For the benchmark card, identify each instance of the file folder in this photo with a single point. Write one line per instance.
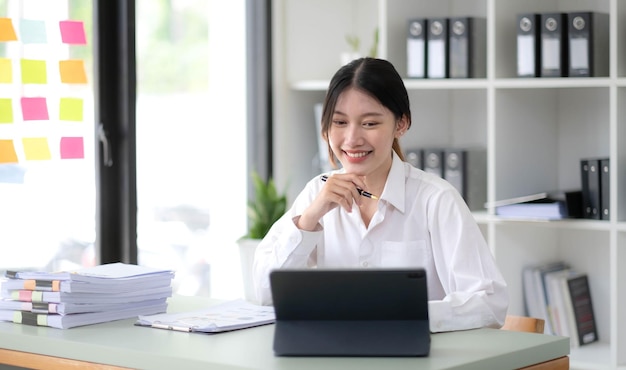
(416, 48)
(467, 40)
(590, 179)
(528, 45)
(605, 193)
(414, 157)
(588, 37)
(433, 161)
(466, 170)
(554, 54)
(437, 48)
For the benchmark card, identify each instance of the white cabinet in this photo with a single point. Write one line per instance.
(535, 131)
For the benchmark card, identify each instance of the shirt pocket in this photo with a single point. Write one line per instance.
(405, 254)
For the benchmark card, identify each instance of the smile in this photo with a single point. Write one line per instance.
(357, 155)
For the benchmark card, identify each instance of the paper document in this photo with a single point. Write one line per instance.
(104, 274)
(232, 315)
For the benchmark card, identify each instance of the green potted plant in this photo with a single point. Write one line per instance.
(266, 206)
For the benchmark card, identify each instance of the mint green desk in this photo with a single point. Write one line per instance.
(120, 344)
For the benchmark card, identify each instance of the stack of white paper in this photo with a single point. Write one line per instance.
(85, 296)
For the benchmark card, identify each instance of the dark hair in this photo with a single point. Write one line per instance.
(375, 77)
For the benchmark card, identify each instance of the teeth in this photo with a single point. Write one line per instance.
(357, 155)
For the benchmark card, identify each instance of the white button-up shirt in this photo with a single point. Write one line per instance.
(421, 221)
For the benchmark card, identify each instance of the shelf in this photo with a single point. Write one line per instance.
(551, 83)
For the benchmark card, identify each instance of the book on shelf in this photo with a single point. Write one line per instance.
(554, 205)
(561, 296)
(535, 294)
(84, 296)
(580, 308)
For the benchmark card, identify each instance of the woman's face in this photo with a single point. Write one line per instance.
(361, 133)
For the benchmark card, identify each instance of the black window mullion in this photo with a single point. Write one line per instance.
(115, 97)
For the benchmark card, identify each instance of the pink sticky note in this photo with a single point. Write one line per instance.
(34, 109)
(72, 148)
(72, 32)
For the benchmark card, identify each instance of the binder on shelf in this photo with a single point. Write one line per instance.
(433, 161)
(588, 38)
(554, 54)
(437, 48)
(415, 158)
(590, 180)
(466, 170)
(416, 48)
(605, 189)
(467, 41)
(528, 45)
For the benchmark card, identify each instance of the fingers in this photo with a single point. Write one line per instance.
(342, 190)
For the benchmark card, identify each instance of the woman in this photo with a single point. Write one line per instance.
(413, 219)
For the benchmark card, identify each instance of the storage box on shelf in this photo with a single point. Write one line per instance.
(535, 131)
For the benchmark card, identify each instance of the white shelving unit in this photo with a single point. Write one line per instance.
(535, 131)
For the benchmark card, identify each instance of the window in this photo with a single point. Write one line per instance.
(191, 141)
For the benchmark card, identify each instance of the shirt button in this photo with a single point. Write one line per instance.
(364, 264)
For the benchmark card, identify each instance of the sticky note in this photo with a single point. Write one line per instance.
(33, 71)
(34, 109)
(6, 111)
(72, 32)
(72, 148)
(33, 31)
(36, 148)
(72, 71)
(6, 71)
(7, 32)
(7, 152)
(71, 109)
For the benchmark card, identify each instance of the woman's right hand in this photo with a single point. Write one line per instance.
(340, 190)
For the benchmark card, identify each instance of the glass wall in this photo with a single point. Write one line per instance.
(47, 179)
(191, 141)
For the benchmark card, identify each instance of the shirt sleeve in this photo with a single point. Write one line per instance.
(475, 292)
(285, 246)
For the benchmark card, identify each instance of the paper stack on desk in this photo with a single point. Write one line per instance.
(85, 296)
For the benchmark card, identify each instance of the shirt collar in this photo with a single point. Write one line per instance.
(394, 192)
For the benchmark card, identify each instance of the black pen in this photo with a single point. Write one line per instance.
(361, 191)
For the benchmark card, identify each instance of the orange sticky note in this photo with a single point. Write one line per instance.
(72, 71)
(72, 148)
(33, 71)
(6, 71)
(72, 32)
(7, 32)
(34, 109)
(71, 109)
(7, 152)
(36, 148)
(6, 111)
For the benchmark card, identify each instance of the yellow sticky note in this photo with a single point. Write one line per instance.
(36, 148)
(33, 71)
(6, 71)
(7, 32)
(6, 111)
(7, 152)
(71, 109)
(72, 71)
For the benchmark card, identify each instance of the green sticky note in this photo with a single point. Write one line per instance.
(33, 71)
(71, 109)
(6, 111)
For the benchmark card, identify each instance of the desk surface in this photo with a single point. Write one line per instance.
(120, 343)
